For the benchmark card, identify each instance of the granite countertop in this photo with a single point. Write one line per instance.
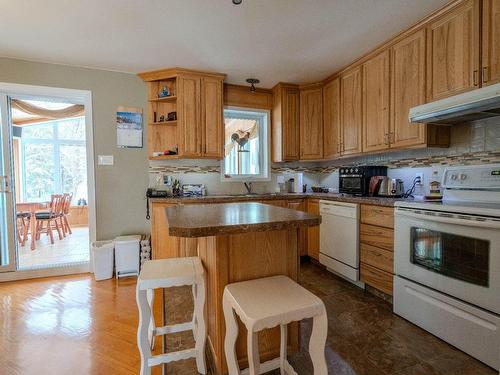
(203, 220)
(379, 201)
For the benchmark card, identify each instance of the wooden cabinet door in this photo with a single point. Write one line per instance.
(212, 123)
(311, 123)
(453, 52)
(313, 232)
(407, 89)
(376, 98)
(491, 42)
(290, 123)
(189, 116)
(331, 119)
(351, 112)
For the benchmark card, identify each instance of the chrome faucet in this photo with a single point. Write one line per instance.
(248, 186)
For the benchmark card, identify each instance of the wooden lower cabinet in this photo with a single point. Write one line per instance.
(376, 236)
(376, 278)
(313, 232)
(164, 245)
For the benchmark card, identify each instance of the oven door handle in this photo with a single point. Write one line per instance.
(486, 223)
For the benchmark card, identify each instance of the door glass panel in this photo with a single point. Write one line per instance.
(73, 161)
(39, 169)
(459, 257)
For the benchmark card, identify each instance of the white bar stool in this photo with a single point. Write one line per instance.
(167, 273)
(266, 303)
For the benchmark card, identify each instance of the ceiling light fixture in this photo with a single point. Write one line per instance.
(253, 82)
(237, 2)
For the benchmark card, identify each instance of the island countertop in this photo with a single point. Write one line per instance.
(204, 220)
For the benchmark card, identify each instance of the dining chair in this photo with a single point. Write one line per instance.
(22, 226)
(68, 197)
(50, 218)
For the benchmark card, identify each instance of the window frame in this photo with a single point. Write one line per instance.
(56, 142)
(264, 145)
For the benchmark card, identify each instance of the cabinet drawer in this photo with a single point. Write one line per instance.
(377, 215)
(376, 278)
(377, 236)
(378, 258)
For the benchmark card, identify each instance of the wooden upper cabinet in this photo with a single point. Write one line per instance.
(376, 100)
(212, 122)
(285, 124)
(188, 114)
(453, 51)
(407, 89)
(351, 113)
(311, 123)
(331, 119)
(491, 42)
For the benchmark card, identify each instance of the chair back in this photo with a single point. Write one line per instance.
(56, 204)
(68, 197)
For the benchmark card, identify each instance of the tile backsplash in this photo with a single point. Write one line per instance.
(474, 143)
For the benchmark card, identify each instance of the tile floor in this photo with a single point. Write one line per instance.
(73, 248)
(364, 336)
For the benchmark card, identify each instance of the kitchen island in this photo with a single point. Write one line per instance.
(237, 242)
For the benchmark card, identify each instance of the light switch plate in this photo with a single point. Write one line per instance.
(105, 160)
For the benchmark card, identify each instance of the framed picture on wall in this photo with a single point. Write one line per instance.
(129, 127)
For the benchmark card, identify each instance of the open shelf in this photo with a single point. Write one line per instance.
(165, 99)
(165, 123)
(164, 157)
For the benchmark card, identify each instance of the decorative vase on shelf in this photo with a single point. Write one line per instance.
(164, 92)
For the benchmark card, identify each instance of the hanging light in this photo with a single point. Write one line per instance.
(237, 2)
(253, 82)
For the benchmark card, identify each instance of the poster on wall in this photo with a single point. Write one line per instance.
(129, 128)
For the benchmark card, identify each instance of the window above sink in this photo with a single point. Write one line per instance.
(246, 145)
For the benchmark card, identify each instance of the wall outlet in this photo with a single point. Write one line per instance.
(420, 175)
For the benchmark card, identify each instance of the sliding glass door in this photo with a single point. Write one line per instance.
(7, 227)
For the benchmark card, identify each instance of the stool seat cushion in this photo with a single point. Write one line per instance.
(165, 273)
(267, 302)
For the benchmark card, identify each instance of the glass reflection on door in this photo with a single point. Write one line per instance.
(452, 255)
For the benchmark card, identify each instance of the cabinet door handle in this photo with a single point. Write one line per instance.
(475, 77)
(485, 74)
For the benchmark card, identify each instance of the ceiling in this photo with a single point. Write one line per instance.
(297, 41)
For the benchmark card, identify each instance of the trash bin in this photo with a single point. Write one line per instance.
(127, 255)
(102, 259)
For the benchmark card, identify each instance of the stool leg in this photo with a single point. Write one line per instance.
(317, 344)
(201, 328)
(152, 326)
(194, 291)
(231, 336)
(142, 331)
(253, 352)
(283, 345)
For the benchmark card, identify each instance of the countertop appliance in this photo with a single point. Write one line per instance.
(339, 238)
(384, 186)
(447, 262)
(472, 105)
(356, 180)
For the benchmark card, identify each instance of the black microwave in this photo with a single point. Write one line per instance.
(356, 180)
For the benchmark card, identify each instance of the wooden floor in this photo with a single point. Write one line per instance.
(68, 325)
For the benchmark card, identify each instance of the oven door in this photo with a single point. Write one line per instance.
(351, 184)
(455, 254)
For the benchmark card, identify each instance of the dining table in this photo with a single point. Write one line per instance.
(32, 207)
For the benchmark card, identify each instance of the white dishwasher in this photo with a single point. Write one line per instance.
(339, 238)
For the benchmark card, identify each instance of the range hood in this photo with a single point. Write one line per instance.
(473, 105)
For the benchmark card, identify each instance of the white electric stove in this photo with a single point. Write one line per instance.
(447, 262)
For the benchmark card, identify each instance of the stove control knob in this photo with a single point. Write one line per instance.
(454, 176)
(463, 176)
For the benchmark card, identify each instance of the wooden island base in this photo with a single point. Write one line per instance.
(245, 256)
